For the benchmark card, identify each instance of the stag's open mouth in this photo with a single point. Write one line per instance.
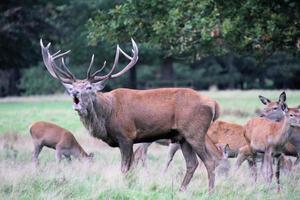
(75, 100)
(295, 124)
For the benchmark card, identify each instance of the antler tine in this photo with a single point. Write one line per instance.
(98, 71)
(132, 59)
(100, 78)
(60, 71)
(60, 55)
(67, 69)
(49, 61)
(88, 75)
(125, 54)
(56, 53)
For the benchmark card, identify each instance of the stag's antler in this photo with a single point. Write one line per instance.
(94, 78)
(64, 74)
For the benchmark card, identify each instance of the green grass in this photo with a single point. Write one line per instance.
(102, 179)
(17, 114)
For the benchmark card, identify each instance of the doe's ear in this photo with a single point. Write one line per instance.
(226, 148)
(264, 100)
(284, 107)
(282, 97)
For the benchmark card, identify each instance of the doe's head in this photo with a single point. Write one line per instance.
(274, 110)
(293, 115)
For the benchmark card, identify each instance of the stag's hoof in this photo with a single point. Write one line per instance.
(182, 189)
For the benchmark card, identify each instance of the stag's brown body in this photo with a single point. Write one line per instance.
(153, 114)
(55, 137)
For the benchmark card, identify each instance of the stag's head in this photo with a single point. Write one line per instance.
(274, 110)
(83, 91)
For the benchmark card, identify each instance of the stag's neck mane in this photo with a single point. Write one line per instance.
(99, 107)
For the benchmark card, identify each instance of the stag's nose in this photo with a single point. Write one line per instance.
(75, 93)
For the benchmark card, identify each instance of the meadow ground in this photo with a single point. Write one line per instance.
(102, 179)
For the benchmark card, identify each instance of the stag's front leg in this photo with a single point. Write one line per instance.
(126, 149)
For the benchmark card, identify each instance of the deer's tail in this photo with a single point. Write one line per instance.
(217, 112)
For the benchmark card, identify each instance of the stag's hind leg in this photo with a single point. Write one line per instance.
(208, 160)
(191, 163)
(207, 153)
(140, 154)
(173, 148)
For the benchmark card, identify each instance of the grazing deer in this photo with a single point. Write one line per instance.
(269, 137)
(123, 117)
(55, 137)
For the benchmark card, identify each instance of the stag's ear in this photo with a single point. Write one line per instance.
(282, 97)
(69, 87)
(264, 100)
(100, 85)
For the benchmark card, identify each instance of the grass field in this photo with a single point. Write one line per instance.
(102, 179)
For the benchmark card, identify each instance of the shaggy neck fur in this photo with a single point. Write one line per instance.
(98, 110)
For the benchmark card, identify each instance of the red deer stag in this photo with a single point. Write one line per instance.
(123, 117)
(55, 137)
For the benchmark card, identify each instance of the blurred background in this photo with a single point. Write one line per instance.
(204, 44)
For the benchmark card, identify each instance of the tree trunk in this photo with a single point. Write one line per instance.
(132, 78)
(9, 79)
(166, 69)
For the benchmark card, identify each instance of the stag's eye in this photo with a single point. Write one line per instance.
(88, 87)
(291, 115)
(274, 108)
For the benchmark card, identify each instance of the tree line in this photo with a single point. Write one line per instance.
(228, 44)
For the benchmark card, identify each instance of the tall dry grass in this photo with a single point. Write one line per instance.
(102, 179)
